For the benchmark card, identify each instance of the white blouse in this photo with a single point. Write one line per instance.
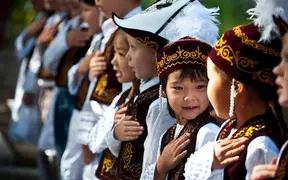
(206, 134)
(261, 150)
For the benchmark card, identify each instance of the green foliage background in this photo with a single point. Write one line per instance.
(232, 12)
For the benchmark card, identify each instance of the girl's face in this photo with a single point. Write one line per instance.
(90, 14)
(142, 59)
(218, 90)
(124, 72)
(187, 98)
(282, 74)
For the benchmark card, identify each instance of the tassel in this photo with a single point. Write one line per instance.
(232, 101)
(160, 98)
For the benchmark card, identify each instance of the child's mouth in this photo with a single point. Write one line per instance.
(190, 107)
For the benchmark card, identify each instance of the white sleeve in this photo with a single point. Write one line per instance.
(97, 143)
(206, 134)
(114, 145)
(21, 50)
(261, 150)
(73, 85)
(149, 171)
(53, 54)
(198, 165)
(157, 123)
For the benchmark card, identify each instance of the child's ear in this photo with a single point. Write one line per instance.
(239, 87)
(164, 94)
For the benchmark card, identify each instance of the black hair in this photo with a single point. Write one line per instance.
(194, 75)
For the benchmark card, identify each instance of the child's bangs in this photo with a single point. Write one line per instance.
(199, 74)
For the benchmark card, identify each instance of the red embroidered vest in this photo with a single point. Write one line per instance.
(129, 163)
(261, 125)
(191, 127)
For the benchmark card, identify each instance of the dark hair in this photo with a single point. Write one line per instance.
(194, 75)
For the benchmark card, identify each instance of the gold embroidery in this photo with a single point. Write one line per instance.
(108, 163)
(254, 44)
(135, 169)
(147, 42)
(249, 131)
(281, 170)
(166, 60)
(244, 64)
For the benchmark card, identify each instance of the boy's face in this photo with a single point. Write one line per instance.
(90, 14)
(187, 98)
(124, 72)
(108, 6)
(142, 59)
(218, 90)
(282, 74)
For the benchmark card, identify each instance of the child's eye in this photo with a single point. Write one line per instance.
(201, 87)
(122, 54)
(177, 87)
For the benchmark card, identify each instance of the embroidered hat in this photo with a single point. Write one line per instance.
(183, 53)
(282, 26)
(241, 56)
(168, 20)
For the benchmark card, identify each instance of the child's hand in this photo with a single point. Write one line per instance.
(120, 113)
(77, 38)
(266, 171)
(35, 28)
(98, 64)
(128, 129)
(172, 155)
(226, 151)
(88, 156)
(47, 35)
(84, 65)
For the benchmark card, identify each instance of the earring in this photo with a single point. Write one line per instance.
(232, 102)
(160, 98)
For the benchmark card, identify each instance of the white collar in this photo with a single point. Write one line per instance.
(145, 84)
(133, 12)
(126, 86)
(107, 27)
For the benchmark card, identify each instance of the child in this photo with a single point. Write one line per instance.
(104, 85)
(184, 82)
(126, 76)
(71, 161)
(240, 67)
(159, 22)
(271, 170)
(25, 108)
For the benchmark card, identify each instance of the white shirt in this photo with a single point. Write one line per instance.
(97, 142)
(206, 134)
(113, 144)
(53, 54)
(261, 150)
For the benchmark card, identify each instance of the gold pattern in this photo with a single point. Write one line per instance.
(244, 64)
(166, 60)
(254, 44)
(128, 153)
(147, 42)
(281, 170)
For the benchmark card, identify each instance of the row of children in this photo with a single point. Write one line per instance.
(150, 99)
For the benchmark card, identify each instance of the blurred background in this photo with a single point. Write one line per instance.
(17, 161)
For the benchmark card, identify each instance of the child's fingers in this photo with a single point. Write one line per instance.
(133, 133)
(181, 147)
(182, 139)
(274, 160)
(180, 156)
(233, 144)
(228, 161)
(235, 151)
(264, 174)
(133, 129)
(266, 167)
